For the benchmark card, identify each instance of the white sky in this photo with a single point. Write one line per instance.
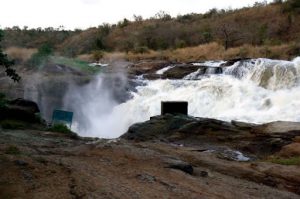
(87, 13)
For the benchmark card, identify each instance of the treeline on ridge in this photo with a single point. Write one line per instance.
(262, 24)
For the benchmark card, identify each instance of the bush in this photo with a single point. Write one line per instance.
(12, 124)
(62, 128)
(42, 56)
(97, 55)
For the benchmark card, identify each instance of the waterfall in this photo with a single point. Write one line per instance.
(255, 91)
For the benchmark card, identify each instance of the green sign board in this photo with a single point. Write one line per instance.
(60, 116)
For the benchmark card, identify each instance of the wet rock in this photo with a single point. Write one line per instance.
(232, 156)
(180, 71)
(20, 163)
(159, 127)
(179, 165)
(144, 67)
(52, 68)
(256, 140)
(233, 61)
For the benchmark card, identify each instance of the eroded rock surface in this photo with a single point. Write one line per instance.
(169, 156)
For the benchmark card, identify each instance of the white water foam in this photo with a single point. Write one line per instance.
(267, 90)
(165, 69)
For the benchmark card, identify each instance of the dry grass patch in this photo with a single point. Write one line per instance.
(20, 54)
(215, 51)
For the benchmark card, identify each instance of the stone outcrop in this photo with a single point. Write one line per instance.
(261, 140)
(20, 109)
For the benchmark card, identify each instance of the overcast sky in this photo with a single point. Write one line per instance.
(87, 13)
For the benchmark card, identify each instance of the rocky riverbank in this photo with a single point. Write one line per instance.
(168, 156)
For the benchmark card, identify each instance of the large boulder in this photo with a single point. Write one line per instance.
(20, 109)
(290, 150)
(145, 67)
(182, 70)
(259, 140)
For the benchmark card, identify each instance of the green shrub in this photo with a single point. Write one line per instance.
(75, 63)
(62, 128)
(41, 57)
(97, 55)
(12, 124)
(12, 150)
(286, 161)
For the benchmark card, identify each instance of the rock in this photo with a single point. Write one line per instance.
(52, 68)
(158, 127)
(290, 150)
(144, 67)
(179, 165)
(180, 71)
(233, 61)
(232, 156)
(146, 178)
(256, 140)
(203, 173)
(20, 109)
(20, 163)
(26, 105)
(243, 125)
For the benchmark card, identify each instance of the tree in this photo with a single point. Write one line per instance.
(7, 63)
(162, 15)
(228, 31)
(292, 6)
(41, 56)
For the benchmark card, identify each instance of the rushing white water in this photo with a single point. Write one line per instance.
(163, 70)
(210, 63)
(256, 91)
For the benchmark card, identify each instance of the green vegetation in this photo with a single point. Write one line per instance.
(262, 25)
(41, 57)
(286, 161)
(62, 128)
(12, 150)
(12, 124)
(75, 63)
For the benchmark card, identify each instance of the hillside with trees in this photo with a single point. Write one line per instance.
(264, 26)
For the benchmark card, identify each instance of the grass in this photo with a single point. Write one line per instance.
(215, 51)
(62, 128)
(75, 63)
(20, 54)
(12, 124)
(12, 150)
(286, 161)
